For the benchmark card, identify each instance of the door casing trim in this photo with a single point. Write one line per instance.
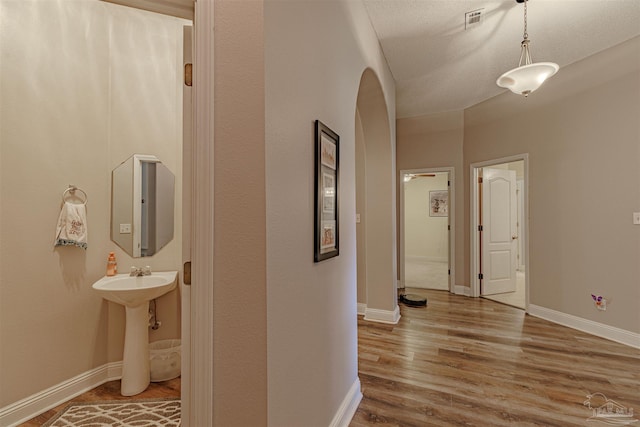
(474, 253)
(451, 219)
(202, 219)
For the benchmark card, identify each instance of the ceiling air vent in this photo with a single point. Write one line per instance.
(473, 18)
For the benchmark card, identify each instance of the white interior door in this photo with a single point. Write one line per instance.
(499, 238)
(187, 149)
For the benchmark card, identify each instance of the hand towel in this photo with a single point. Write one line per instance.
(72, 226)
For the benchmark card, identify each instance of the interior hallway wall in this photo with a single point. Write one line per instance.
(581, 124)
(83, 86)
(315, 55)
(361, 200)
(379, 190)
(435, 141)
(240, 223)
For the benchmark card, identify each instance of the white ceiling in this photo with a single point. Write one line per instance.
(439, 66)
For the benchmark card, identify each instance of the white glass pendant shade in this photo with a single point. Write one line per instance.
(527, 78)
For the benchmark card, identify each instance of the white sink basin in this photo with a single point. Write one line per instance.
(133, 291)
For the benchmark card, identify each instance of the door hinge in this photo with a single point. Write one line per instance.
(448, 183)
(480, 228)
(188, 74)
(479, 180)
(449, 227)
(186, 273)
(449, 272)
(480, 276)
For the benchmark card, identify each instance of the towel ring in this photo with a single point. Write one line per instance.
(72, 191)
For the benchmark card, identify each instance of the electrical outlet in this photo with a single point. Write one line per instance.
(125, 228)
(636, 218)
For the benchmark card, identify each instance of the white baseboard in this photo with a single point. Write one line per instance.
(462, 290)
(589, 326)
(348, 407)
(362, 308)
(40, 402)
(382, 316)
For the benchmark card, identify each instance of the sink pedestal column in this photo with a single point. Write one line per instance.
(135, 292)
(135, 361)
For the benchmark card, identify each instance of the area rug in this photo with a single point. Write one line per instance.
(119, 413)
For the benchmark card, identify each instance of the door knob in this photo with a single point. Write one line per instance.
(514, 237)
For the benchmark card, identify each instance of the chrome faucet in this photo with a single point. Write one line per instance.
(140, 271)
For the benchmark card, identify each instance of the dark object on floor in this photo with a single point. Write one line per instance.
(413, 300)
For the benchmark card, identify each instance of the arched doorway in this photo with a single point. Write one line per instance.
(375, 204)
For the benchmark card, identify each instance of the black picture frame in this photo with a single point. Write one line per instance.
(327, 167)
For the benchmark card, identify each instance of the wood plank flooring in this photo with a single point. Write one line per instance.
(469, 362)
(474, 362)
(111, 391)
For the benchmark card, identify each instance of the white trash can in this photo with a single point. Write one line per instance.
(164, 358)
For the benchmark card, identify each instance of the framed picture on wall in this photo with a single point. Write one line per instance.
(328, 193)
(327, 156)
(439, 203)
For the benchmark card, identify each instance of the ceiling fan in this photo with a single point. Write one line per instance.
(409, 176)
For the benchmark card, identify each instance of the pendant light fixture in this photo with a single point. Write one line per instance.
(527, 77)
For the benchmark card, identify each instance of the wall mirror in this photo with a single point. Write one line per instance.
(142, 205)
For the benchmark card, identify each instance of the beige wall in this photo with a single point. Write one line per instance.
(379, 193)
(580, 126)
(240, 249)
(435, 141)
(315, 55)
(74, 107)
(361, 235)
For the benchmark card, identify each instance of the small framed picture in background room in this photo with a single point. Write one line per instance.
(439, 203)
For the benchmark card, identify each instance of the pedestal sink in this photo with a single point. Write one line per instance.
(135, 293)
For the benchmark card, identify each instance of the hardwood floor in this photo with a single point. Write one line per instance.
(111, 391)
(469, 362)
(474, 362)
(515, 299)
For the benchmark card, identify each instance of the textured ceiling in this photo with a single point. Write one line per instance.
(439, 66)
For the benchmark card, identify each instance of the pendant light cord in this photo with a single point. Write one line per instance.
(525, 55)
(526, 34)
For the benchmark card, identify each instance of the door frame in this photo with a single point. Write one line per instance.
(200, 353)
(202, 219)
(451, 221)
(521, 224)
(474, 211)
(188, 126)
